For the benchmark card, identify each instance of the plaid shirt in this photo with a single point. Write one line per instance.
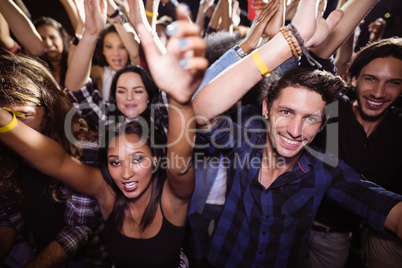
(270, 227)
(91, 106)
(95, 110)
(81, 215)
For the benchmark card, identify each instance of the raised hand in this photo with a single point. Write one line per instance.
(181, 69)
(277, 20)
(376, 29)
(95, 16)
(309, 21)
(291, 9)
(260, 26)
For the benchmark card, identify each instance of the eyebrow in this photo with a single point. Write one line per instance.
(123, 87)
(373, 76)
(293, 111)
(138, 152)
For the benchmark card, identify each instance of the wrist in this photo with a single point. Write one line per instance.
(6, 118)
(245, 46)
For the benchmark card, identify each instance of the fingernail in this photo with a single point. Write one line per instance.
(183, 42)
(183, 63)
(172, 29)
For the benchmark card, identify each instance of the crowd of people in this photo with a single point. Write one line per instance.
(152, 134)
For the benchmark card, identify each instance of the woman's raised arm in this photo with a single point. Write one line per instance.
(22, 28)
(178, 73)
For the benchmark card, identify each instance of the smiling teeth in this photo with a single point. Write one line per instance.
(374, 103)
(290, 141)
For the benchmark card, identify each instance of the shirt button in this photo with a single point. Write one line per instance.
(267, 216)
(264, 233)
(260, 252)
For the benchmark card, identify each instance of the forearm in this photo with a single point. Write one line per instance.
(151, 9)
(5, 39)
(71, 10)
(126, 33)
(226, 15)
(7, 236)
(52, 256)
(39, 150)
(137, 16)
(180, 143)
(22, 28)
(214, 22)
(232, 84)
(393, 221)
(200, 20)
(80, 63)
(354, 12)
(344, 53)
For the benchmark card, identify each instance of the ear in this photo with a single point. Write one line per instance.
(354, 81)
(324, 123)
(265, 109)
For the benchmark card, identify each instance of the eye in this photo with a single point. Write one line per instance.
(313, 119)
(395, 82)
(114, 163)
(285, 112)
(139, 91)
(369, 79)
(137, 159)
(120, 91)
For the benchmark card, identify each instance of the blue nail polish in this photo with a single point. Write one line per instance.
(183, 63)
(171, 29)
(183, 42)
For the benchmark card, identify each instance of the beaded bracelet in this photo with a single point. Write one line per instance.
(304, 50)
(292, 41)
(260, 63)
(10, 125)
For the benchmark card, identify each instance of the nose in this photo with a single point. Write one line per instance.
(295, 127)
(116, 51)
(378, 91)
(127, 171)
(47, 42)
(130, 95)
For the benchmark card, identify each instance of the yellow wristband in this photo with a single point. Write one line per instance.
(260, 63)
(10, 125)
(150, 14)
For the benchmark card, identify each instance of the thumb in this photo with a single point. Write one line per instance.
(334, 18)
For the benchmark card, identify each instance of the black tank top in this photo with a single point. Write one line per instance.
(162, 250)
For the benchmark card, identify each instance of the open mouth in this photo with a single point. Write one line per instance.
(130, 186)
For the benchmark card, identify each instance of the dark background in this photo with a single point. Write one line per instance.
(54, 9)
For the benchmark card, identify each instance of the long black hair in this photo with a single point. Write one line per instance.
(158, 175)
(155, 114)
